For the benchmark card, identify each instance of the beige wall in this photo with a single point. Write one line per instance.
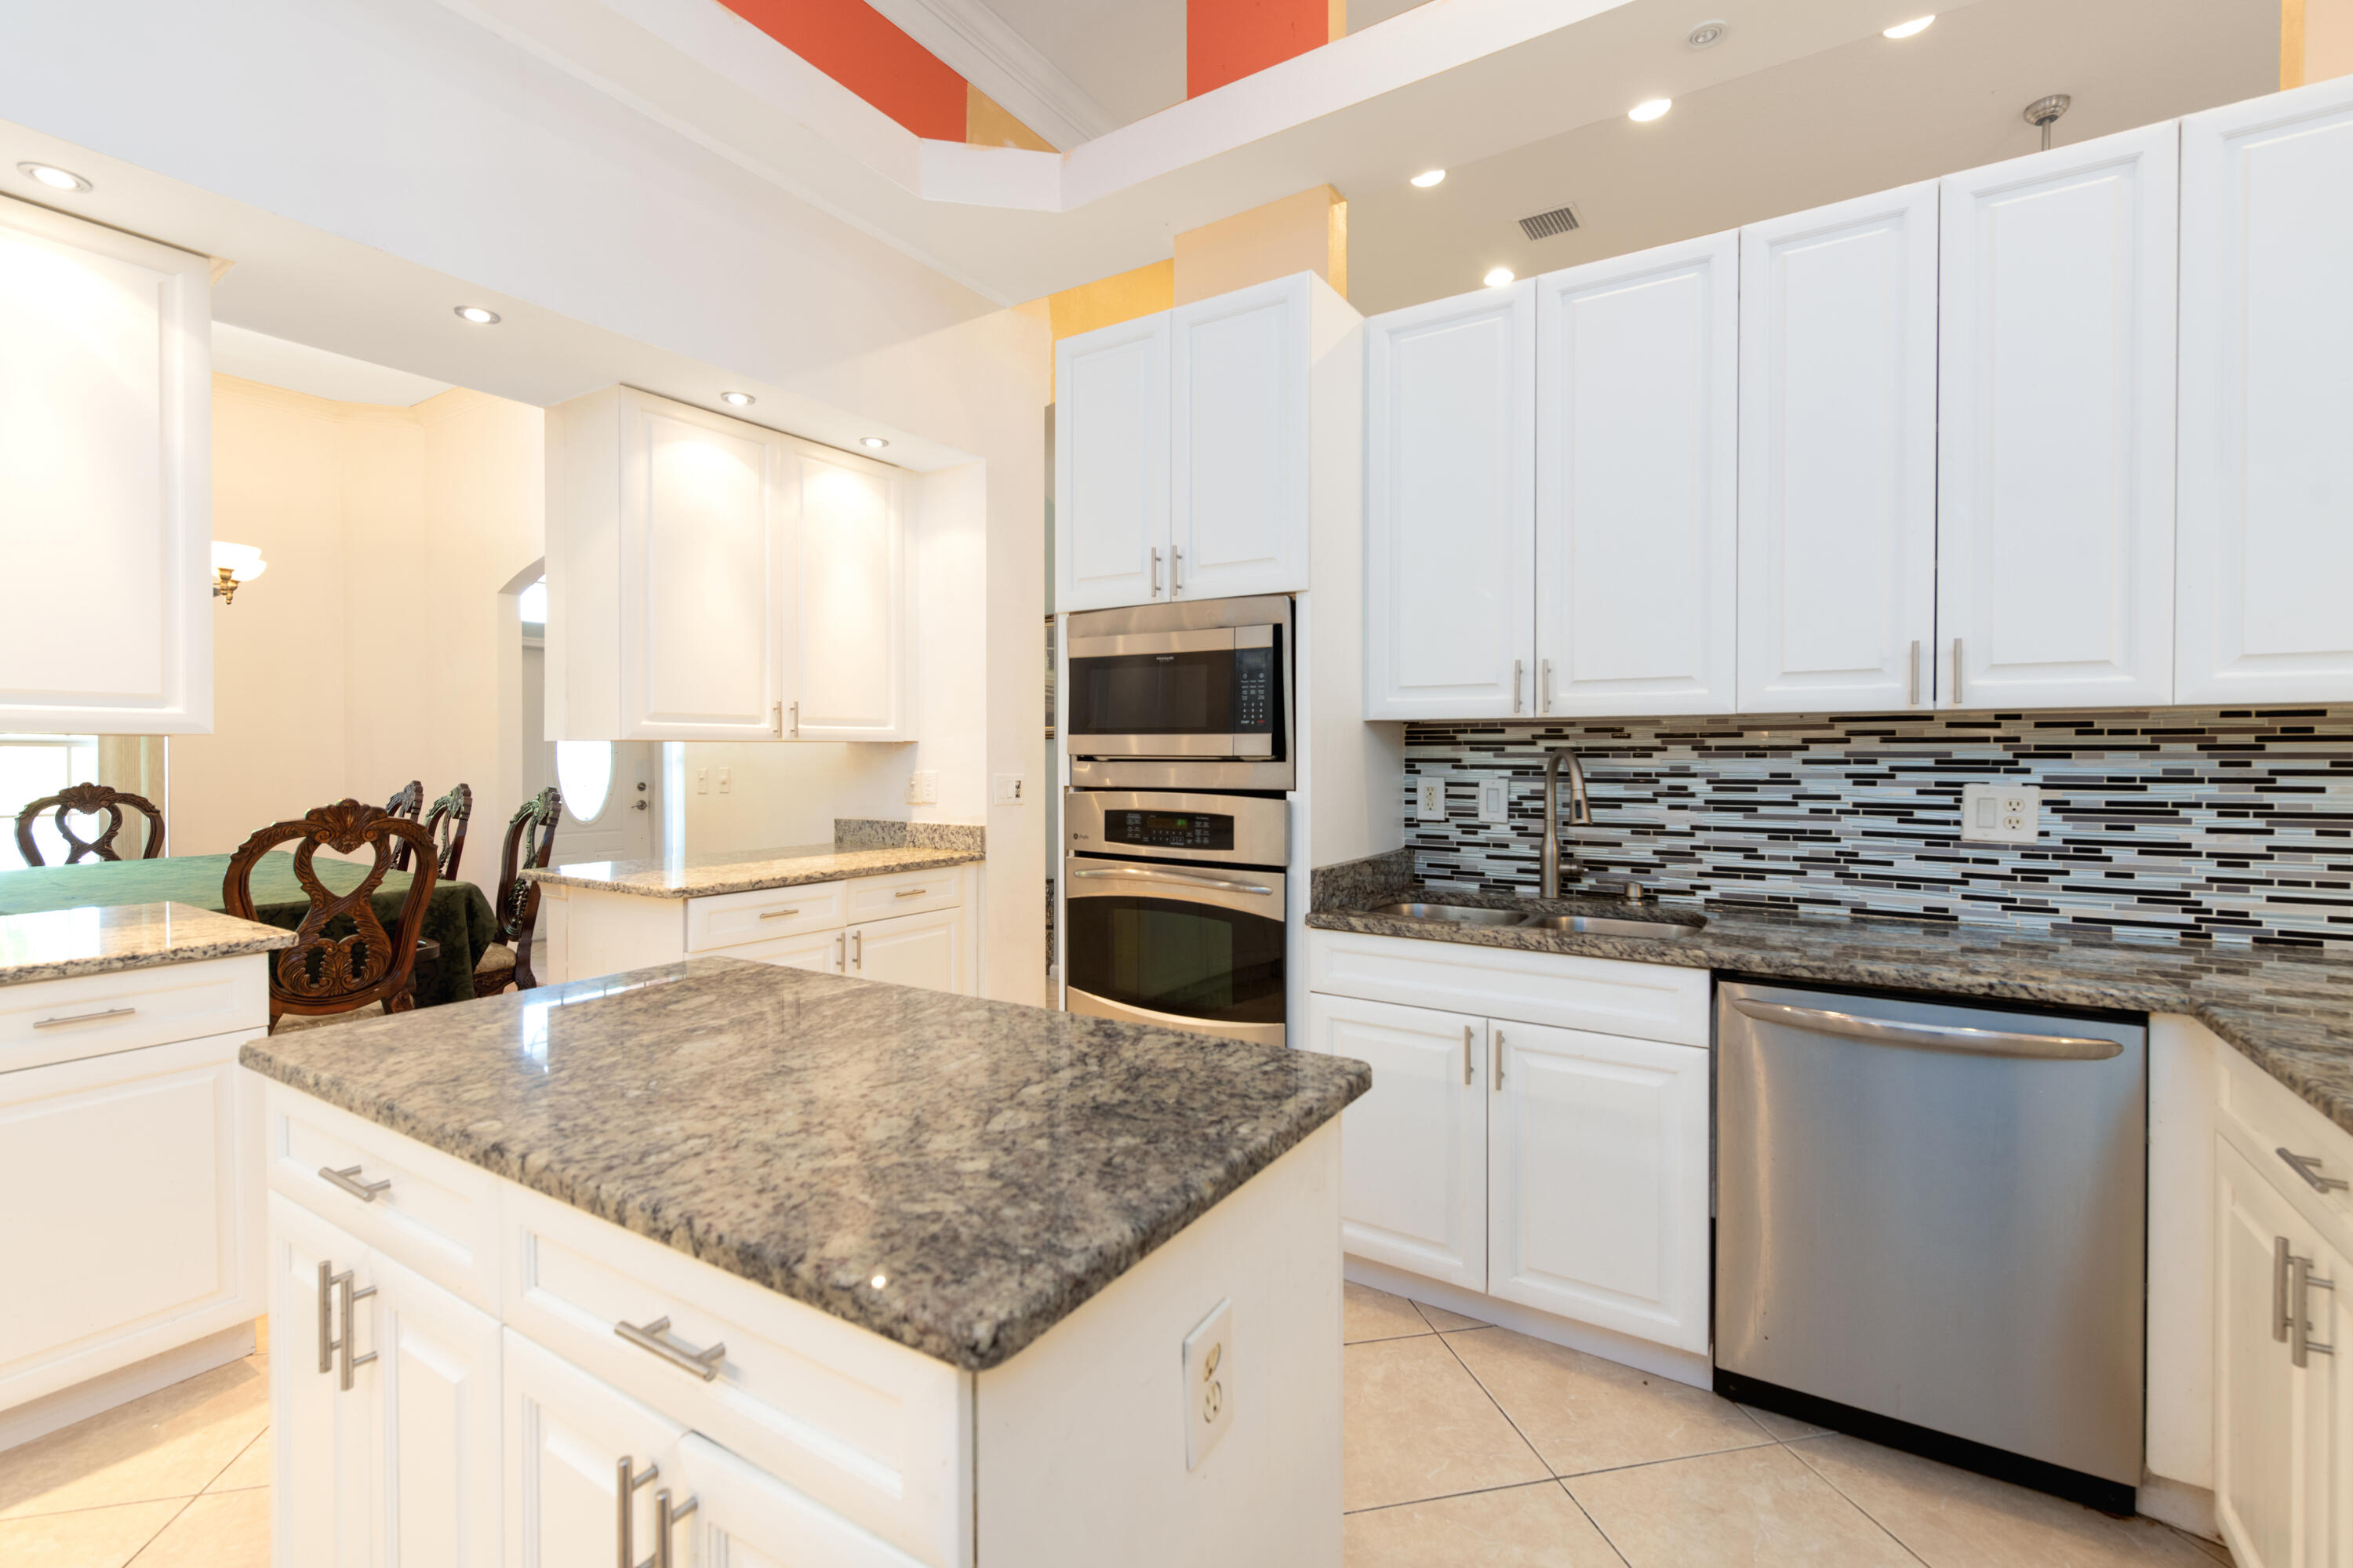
(2316, 41)
(1307, 232)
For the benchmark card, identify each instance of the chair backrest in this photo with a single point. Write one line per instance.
(91, 798)
(321, 973)
(409, 802)
(530, 840)
(446, 822)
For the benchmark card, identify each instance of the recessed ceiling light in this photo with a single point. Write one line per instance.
(1706, 33)
(1908, 29)
(1650, 109)
(1497, 277)
(477, 314)
(877, 442)
(57, 179)
(1430, 178)
(741, 400)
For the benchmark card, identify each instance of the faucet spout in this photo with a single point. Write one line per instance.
(1580, 813)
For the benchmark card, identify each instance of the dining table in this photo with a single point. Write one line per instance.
(458, 916)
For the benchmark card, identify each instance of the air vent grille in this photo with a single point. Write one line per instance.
(1544, 225)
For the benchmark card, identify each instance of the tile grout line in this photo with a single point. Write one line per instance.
(131, 1561)
(1449, 1497)
(1815, 1470)
(185, 1504)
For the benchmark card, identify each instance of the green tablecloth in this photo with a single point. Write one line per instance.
(457, 916)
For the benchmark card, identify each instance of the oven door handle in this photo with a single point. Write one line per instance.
(1144, 875)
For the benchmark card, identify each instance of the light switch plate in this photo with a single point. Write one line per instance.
(1430, 800)
(923, 787)
(703, 780)
(725, 781)
(1209, 1383)
(2001, 813)
(1494, 801)
(1008, 789)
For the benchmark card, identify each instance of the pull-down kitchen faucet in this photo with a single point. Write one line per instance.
(1580, 813)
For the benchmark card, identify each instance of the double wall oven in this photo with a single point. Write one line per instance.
(1176, 830)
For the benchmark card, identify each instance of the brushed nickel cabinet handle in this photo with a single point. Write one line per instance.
(1176, 570)
(348, 1297)
(1499, 1061)
(1156, 571)
(327, 1316)
(666, 1518)
(1914, 699)
(1545, 697)
(2281, 1259)
(2308, 1167)
(911, 893)
(777, 718)
(1517, 666)
(796, 718)
(347, 1179)
(840, 947)
(83, 1017)
(2301, 1345)
(777, 914)
(1957, 672)
(704, 1364)
(627, 1479)
(858, 950)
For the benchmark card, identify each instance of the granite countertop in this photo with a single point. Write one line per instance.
(2289, 1011)
(98, 938)
(992, 1165)
(748, 870)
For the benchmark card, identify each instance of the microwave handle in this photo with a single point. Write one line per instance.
(1144, 875)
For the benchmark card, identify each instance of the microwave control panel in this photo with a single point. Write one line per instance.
(1253, 690)
(1170, 829)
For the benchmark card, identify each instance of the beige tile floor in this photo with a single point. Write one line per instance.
(1466, 1445)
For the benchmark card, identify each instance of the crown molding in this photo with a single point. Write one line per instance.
(982, 47)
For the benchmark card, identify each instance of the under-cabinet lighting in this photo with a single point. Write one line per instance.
(1912, 29)
(741, 400)
(1497, 277)
(1430, 178)
(57, 179)
(479, 314)
(877, 442)
(1650, 109)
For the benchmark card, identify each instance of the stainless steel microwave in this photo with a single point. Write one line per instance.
(1193, 695)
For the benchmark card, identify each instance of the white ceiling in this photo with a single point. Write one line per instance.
(297, 367)
(1128, 55)
(1864, 116)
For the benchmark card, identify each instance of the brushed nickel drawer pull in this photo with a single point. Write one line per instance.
(666, 1518)
(347, 1297)
(858, 951)
(911, 893)
(2300, 1342)
(1915, 672)
(348, 1179)
(2308, 1167)
(777, 914)
(83, 1017)
(2282, 1261)
(1466, 1055)
(704, 1364)
(628, 1479)
(1499, 1061)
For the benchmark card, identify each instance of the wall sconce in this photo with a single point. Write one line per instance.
(234, 566)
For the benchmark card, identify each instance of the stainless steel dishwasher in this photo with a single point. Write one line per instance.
(1931, 1228)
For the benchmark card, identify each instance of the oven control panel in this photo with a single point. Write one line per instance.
(1253, 690)
(1170, 829)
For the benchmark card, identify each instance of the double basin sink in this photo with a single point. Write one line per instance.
(1580, 925)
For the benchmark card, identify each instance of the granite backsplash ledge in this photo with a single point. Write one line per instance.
(881, 832)
(2226, 824)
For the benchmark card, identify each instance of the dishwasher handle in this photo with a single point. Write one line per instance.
(1932, 1036)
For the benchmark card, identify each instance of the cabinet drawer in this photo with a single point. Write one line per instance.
(870, 1429)
(731, 919)
(2263, 1116)
(94, 1015)
(1608, 996)
(819, 951)
(438, 1215)
(908, 892)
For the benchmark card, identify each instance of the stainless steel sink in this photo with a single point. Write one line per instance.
(1605, 926)
(1461, 915)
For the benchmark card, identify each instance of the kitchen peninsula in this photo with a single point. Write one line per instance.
(744, 1263)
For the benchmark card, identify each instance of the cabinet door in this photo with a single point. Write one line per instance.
(847, 679)
(1598, 1181)
(1838, 456)
(1110, 465)
(567, 1434)
(2054, 548)
(1239, 441)
(1450, 508)
(323, 1437)
(819, 951)
(924, 951)
(745, 1518)
(699, 633)
(2270, 1484)
(2266, 400)
(1413, 1152)
(105, 480)
(435, 1398)
(1637, 448)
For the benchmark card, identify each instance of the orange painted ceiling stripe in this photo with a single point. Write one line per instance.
(866, 52)
(1226, 40)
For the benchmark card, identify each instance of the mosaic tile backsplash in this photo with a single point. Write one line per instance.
(2222, 824)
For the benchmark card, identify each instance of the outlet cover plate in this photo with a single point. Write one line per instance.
(1430, 800)
(1209, 1383)
(1494, 801)
(1007, 789)
(2001, 813)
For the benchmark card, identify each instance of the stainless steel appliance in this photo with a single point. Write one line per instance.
(1931, 1228)
(1175, 907)
(1193, 695)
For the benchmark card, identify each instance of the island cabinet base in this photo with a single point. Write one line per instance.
(466, 1367)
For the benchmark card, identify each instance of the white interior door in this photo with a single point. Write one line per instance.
(2269, 1497)
(611, 799)
(1636, 509)
(2054, 551)
(1413, 1152)
(923, 950)
(436, 1378)
(2266, 525)
(847, 679)
(1239, 441)
(1598, 1181)
(1110, 465)
(323, 1437)
(1450, 508)
(565, 1436)
(1838, 456)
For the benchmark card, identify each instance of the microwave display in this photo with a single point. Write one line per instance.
(1170, 829)
(1223, 691)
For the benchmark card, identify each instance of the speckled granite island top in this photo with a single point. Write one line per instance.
(996, 1164)
(60, 943)
(2289, 1011)
(707, 875)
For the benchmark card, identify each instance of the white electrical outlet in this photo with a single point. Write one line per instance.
(1494, 801)
(1209, 1383)
(1008, 789)
(923, 787)
(1430, 800)
(2001, 813)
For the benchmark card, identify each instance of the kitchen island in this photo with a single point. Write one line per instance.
(862, 1274)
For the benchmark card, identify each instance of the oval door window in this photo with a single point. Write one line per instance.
(584, 770)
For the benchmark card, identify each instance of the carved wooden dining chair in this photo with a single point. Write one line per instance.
(531, 839)
(89, 800)
(407, 801)
(322, 976)
(446, 822)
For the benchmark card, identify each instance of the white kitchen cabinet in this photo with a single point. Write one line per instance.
(1636, 451)
(1110, 465)
(105, 479)
(322, 1439)
(433, 1390)
(709, 579)
(745, 1518)
(567, 1436)
(1598, 1195)
(819, 951)
(2056, 401)
(1413, 1162)
(2266, 400)
(1239, 440)
(925, 950)
(1450, 507)
(1838, 456)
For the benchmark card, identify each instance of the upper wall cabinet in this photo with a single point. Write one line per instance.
(1187, 446)
(2266, 502)
(1450, 507)
(1838, 456)
(709, 579)
(1637, 447)
(2056, 465)
(105, 480)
